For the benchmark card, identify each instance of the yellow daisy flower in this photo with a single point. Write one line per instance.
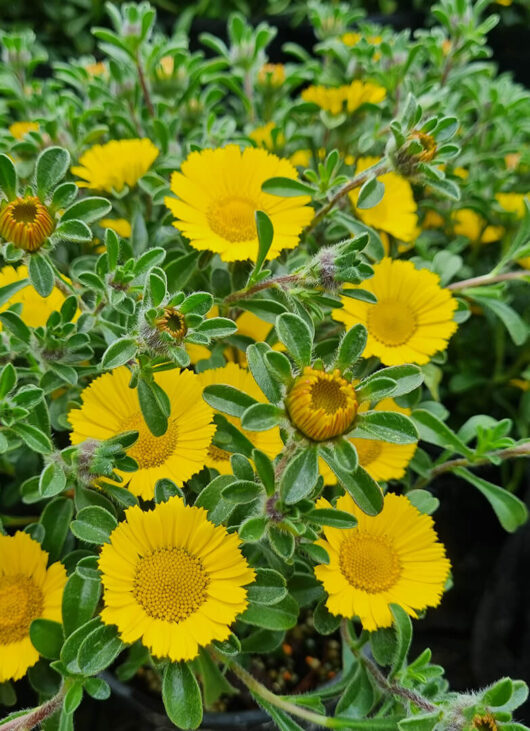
(20, 129)
(344, 98)
(413, 316)
(513, 202)
(118, 163)
(219, 192)
(165, 68)
(110, 407)
(96, 69)
(262, 136)
(301, 158)
(396, 213)
(26, 222)
(391, 558)
(173, 579)
(120, 225)
(268, 441)
(35, 309)
(352, 39)
(321, 405)
(382, 460)
(469, 223)
(28, 591)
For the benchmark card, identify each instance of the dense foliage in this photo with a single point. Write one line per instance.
(249, 313)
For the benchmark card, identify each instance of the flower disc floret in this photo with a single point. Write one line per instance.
(321, 405)
(26, 222)
(173, 579)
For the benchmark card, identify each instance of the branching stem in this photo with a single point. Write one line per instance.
(521, 450)
(379, 169)
(488, 279)
(390, 687)
(273, 282)
(259, 690)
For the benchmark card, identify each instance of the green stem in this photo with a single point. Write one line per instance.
(37, 715)
(249, 291)
(257, 689)
(521, 450)
(286, 455)
(145, 88)
(392, 688)
(379, 169)
(488, 279)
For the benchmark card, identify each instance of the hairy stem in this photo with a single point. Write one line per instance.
(379, 169)
(390, 687)
(288, 452)
(249, 291)
(145, 88)
(35, 716)
(521, 450)
(488, 279)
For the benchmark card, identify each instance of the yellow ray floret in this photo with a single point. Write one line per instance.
(173, 579)
(110, 407)
(121, 226)
(396, 212)
(118, 163)
(413, 316)
(20, 129)
(35, 309)
(391, 558)
(28, 591)
(268, 441)
(219, 192)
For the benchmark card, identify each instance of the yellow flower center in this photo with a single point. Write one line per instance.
(392, 322)
(173, 323)
(216, 454)
(233, 219)
(369, 562)
(321, 405)
(25, 212)
(170, 584)
(368, 450)
(148, 450)
(26, 222)
(21, 602)
(329, 396)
